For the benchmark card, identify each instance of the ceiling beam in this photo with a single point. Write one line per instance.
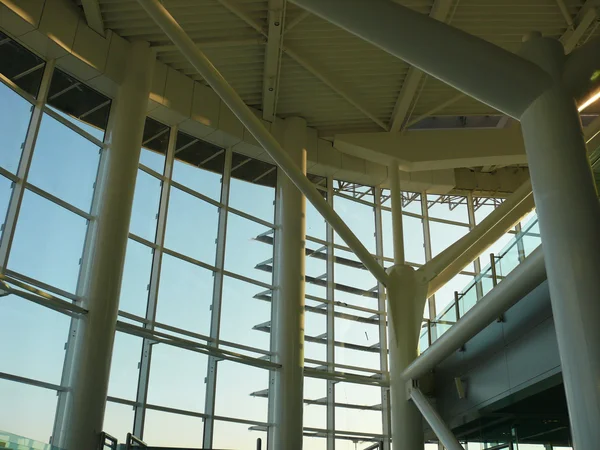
(565, 12)
(234, 9)
(440, 11)
(588, 15)
(272, 66)
(93, 16)
(333, 84)
(292, 23)
(304, 62)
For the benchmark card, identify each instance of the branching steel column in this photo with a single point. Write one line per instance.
(561, 176)
(212, 76)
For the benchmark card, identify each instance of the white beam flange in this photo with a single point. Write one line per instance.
(440, 11)
(484, 71)
(335, 85)
(272, 66)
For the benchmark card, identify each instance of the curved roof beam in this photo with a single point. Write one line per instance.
(476, 67)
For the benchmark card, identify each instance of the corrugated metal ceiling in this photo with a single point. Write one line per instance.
(318, 55)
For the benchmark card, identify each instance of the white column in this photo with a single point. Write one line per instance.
(397, 225)
(95, 334)
(406, 301)
(288, 314)
(569, 219)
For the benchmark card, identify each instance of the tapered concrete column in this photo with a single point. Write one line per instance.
(569, 219)
(288, 308)
(93, 343)
(406, 300)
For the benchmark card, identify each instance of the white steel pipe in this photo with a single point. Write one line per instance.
(288, 308)
(580, 69)
(212, 76)
(511, 290)
(435, 421)
(451, 261)
(476, 67)
(569, 220)
(397, 224)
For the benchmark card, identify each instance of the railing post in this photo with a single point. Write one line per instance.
(456, 302)
(493, 267)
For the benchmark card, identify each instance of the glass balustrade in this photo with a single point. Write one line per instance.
(513, 254)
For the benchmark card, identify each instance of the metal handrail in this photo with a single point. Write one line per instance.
(496, 278)
(112, 441)
(134, 442)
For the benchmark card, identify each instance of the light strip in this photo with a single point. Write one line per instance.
(589, 101)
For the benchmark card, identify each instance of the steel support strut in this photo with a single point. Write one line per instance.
(255, 126)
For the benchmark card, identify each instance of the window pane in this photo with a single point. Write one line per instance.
(314, 443)
(235, 399)
(173, 430)
(241, 312)
(136, 277)
(21, 66)
(444, 235)
(192, 226)
(315, 414)
(315, 224)
(5, 192)
(357, 358)
(360, 218)
(199, 165)
(48, 243)
(365, 420)
(155, 144)
(244, 254)
(80, 104)
(124, 371)
(145, 206)
(15, 115)
(364, 333)
(34, 341)
(316, 269)
(64, 164)
(253, 187)
(414, 250)
(118, 420)
(153, 160)
(29, 410)
(452, 208)
(445, 295)
(237, 435)
(185, 295)
(177, 378)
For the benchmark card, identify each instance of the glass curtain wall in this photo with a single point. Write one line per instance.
(52, 129)
(191, 363)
